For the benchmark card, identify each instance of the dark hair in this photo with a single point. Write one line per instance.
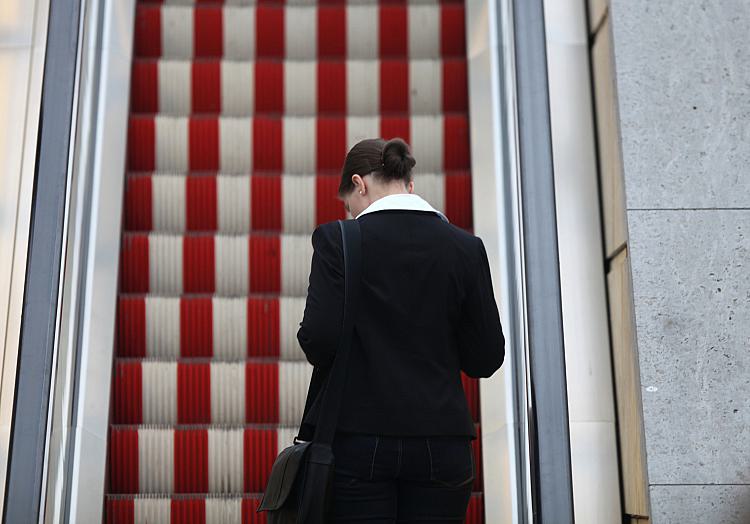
(386, 160)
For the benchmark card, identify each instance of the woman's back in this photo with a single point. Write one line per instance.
(402, 448)
(427, 311)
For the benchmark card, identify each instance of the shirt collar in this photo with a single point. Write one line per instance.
(410, 201)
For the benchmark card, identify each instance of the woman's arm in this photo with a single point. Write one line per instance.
(480, 334)
(320, 328)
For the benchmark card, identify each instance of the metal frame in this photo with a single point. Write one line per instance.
(77, 493)
(552, 489)
(58, 461)
(497, 220)
(525, 435)
(27, 41)
(66, 424)
(26, 460)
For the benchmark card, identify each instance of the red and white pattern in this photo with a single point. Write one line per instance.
(212, 460)
(200, 460)
(302, 32)
(159, 392)
(244, 203)
(292, 145)
(228, 265)
(212, 510)
(211, 392)
(224, 328)
(241, 115)
(300, 88)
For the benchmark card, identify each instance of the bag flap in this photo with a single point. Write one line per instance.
(283, 473)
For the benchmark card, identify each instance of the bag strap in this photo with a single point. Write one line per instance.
(334, 390)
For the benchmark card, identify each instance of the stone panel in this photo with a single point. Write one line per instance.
(701, 504)
(691, 289)
(683, 87)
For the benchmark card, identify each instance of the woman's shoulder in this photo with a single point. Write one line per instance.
(327, 236)
(461, 238)
(328, 229)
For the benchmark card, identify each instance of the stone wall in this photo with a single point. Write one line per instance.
(672, 82)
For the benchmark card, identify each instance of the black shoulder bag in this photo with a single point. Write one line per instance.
(299, 487)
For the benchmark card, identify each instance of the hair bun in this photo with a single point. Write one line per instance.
(397, 159)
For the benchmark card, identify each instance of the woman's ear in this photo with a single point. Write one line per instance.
(359, 183)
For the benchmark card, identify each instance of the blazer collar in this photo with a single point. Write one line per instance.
(410, 201)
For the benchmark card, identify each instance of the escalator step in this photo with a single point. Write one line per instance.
(211, 392)
(201, 510)
(288, 203)
(287, 144)
(299, 87)
(417, 30)
(208, 459)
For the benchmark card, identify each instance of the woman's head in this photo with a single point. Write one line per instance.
(387, 167)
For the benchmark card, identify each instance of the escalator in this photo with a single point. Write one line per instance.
(240, 117)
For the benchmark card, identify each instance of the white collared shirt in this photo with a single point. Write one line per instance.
(402, 201)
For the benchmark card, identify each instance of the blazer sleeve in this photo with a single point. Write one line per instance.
(320, 328)
(480, 334)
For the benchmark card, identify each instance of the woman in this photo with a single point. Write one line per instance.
(427, 311)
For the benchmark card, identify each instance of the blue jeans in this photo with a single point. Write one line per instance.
(386, 479)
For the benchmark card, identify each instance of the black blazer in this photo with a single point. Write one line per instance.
(427, 310)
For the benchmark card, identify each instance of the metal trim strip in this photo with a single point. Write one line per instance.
(497, 220)
(107, 98)
(552, 490)
(16, 199)
(26, 457)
